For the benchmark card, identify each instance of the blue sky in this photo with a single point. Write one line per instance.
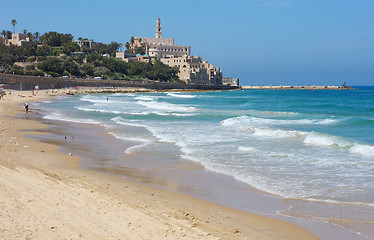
(278, 42)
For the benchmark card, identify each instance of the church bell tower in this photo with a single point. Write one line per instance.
(158, 28)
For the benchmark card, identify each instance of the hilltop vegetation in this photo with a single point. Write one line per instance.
(57, 55)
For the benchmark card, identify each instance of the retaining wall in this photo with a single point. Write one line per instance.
(20, 82)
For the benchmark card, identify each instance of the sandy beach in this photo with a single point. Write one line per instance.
(45, 195)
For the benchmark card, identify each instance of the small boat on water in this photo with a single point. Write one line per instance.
(69, 93)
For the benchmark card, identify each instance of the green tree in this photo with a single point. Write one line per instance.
(71, 67)
(9, 35)
(6, 57)
(51, 64)
(87, 69)
(36, 36)
(54, 39)
(30, 36)
(25, 31)
(161, 71)
(70, 47)
(79, 58)
(37, 73)
(13, 22)
(127, 45)
(3, 33)
(43, 50)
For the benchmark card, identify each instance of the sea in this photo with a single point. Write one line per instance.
(314, 149)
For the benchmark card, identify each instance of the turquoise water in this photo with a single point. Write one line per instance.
(316, 147)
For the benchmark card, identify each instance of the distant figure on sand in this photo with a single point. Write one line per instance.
(26, 110)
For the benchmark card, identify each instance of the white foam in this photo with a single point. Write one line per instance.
(319, 139)
(137, 148)
(174, 114)
(130, 138)
(277, 133)
(121, 121)
(166, 106)
(362, 149)
(145, 98)
(60, 117)
(279, 114)
(98, 110)
(103, 99)
(247, 149)
(178, 95)
(256, 121)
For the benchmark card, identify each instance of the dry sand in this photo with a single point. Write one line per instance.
(45, 195)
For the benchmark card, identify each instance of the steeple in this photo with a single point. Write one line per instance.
(158, 28)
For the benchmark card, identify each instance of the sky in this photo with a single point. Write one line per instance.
(262, 42)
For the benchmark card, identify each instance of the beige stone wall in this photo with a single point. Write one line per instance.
(18, 39)
(159, 51)
(156, 41)
(194, 70)
(120, 55)
(87, 44)
(230, 81)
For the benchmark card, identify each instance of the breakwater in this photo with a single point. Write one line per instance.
(314, 87)
(20, 82)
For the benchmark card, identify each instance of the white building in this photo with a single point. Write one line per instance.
(18, 39)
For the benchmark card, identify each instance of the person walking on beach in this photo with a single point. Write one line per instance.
(26, 110)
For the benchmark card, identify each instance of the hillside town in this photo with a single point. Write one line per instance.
(59, 55)
(192, 69)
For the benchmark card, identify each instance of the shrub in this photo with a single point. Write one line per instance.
(31, 59)
(53, 74)
(19, 71)
(37, 73)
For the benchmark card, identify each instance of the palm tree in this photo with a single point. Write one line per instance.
(30, 36)
(14, 22)
(8, 34)
(25, 31)
(3, 33)
(127, 45)
(36, 35)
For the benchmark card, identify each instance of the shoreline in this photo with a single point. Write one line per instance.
(164, 174)
(36, 176)
(144, 171)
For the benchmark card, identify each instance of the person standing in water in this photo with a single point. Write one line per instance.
(26, 110)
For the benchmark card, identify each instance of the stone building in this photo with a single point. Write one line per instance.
(87, 44)
(126, 56)
(192, 70)
(18, 39)
(230, 81)
(159, 47)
